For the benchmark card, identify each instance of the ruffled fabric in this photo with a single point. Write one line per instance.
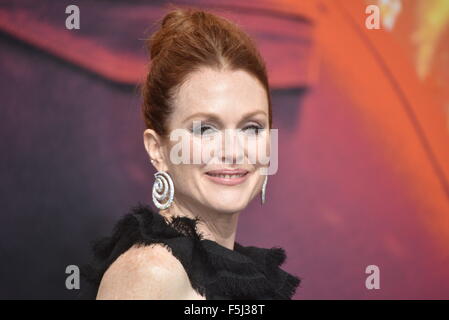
(216, 272)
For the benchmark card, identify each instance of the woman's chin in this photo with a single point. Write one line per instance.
(227, 198)
(228, 204)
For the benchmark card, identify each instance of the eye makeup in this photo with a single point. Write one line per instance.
(253, 129)
(201, 128)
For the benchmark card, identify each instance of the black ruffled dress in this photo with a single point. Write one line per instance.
(216, 272)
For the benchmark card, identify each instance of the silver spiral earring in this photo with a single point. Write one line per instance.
(163, 190)
(264, 188)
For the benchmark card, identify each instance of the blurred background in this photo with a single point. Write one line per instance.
(363, 119)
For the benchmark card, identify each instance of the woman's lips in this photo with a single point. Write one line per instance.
(228, 177)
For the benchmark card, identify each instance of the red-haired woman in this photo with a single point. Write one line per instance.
(207, 80)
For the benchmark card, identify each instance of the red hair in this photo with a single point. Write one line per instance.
(189, 39)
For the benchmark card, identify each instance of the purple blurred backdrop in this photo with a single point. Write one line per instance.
(73, 159)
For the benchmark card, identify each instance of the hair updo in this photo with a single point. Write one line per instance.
(188, 40)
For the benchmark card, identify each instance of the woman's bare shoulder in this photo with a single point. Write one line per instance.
(146, 272)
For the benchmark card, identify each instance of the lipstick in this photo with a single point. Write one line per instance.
(230, 177)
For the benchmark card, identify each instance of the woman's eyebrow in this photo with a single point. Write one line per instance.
(206, 115)
(216, 117)
(253, 113)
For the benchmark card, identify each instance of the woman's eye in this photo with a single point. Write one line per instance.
(253, 129)
(203, 130)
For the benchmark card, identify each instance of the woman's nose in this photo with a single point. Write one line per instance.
(232, 148)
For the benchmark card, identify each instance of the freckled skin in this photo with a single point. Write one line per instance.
(146, 273)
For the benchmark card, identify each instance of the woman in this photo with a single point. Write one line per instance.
(207, 80)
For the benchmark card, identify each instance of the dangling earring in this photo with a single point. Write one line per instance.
(163, 190)
(264, 188)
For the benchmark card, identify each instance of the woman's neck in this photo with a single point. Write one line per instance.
(220, 227)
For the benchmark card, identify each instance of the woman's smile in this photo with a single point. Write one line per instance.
(230, 177)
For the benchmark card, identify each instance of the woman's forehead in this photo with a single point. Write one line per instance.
(220, 92)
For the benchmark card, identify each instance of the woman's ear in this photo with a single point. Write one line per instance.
(152, 142)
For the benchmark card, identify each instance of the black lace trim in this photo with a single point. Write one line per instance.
(214, 270)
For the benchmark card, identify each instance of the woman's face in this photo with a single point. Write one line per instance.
(224, 122)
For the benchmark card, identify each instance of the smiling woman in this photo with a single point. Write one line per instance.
(207, 78)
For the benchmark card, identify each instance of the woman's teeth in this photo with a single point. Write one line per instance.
(227, 176)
